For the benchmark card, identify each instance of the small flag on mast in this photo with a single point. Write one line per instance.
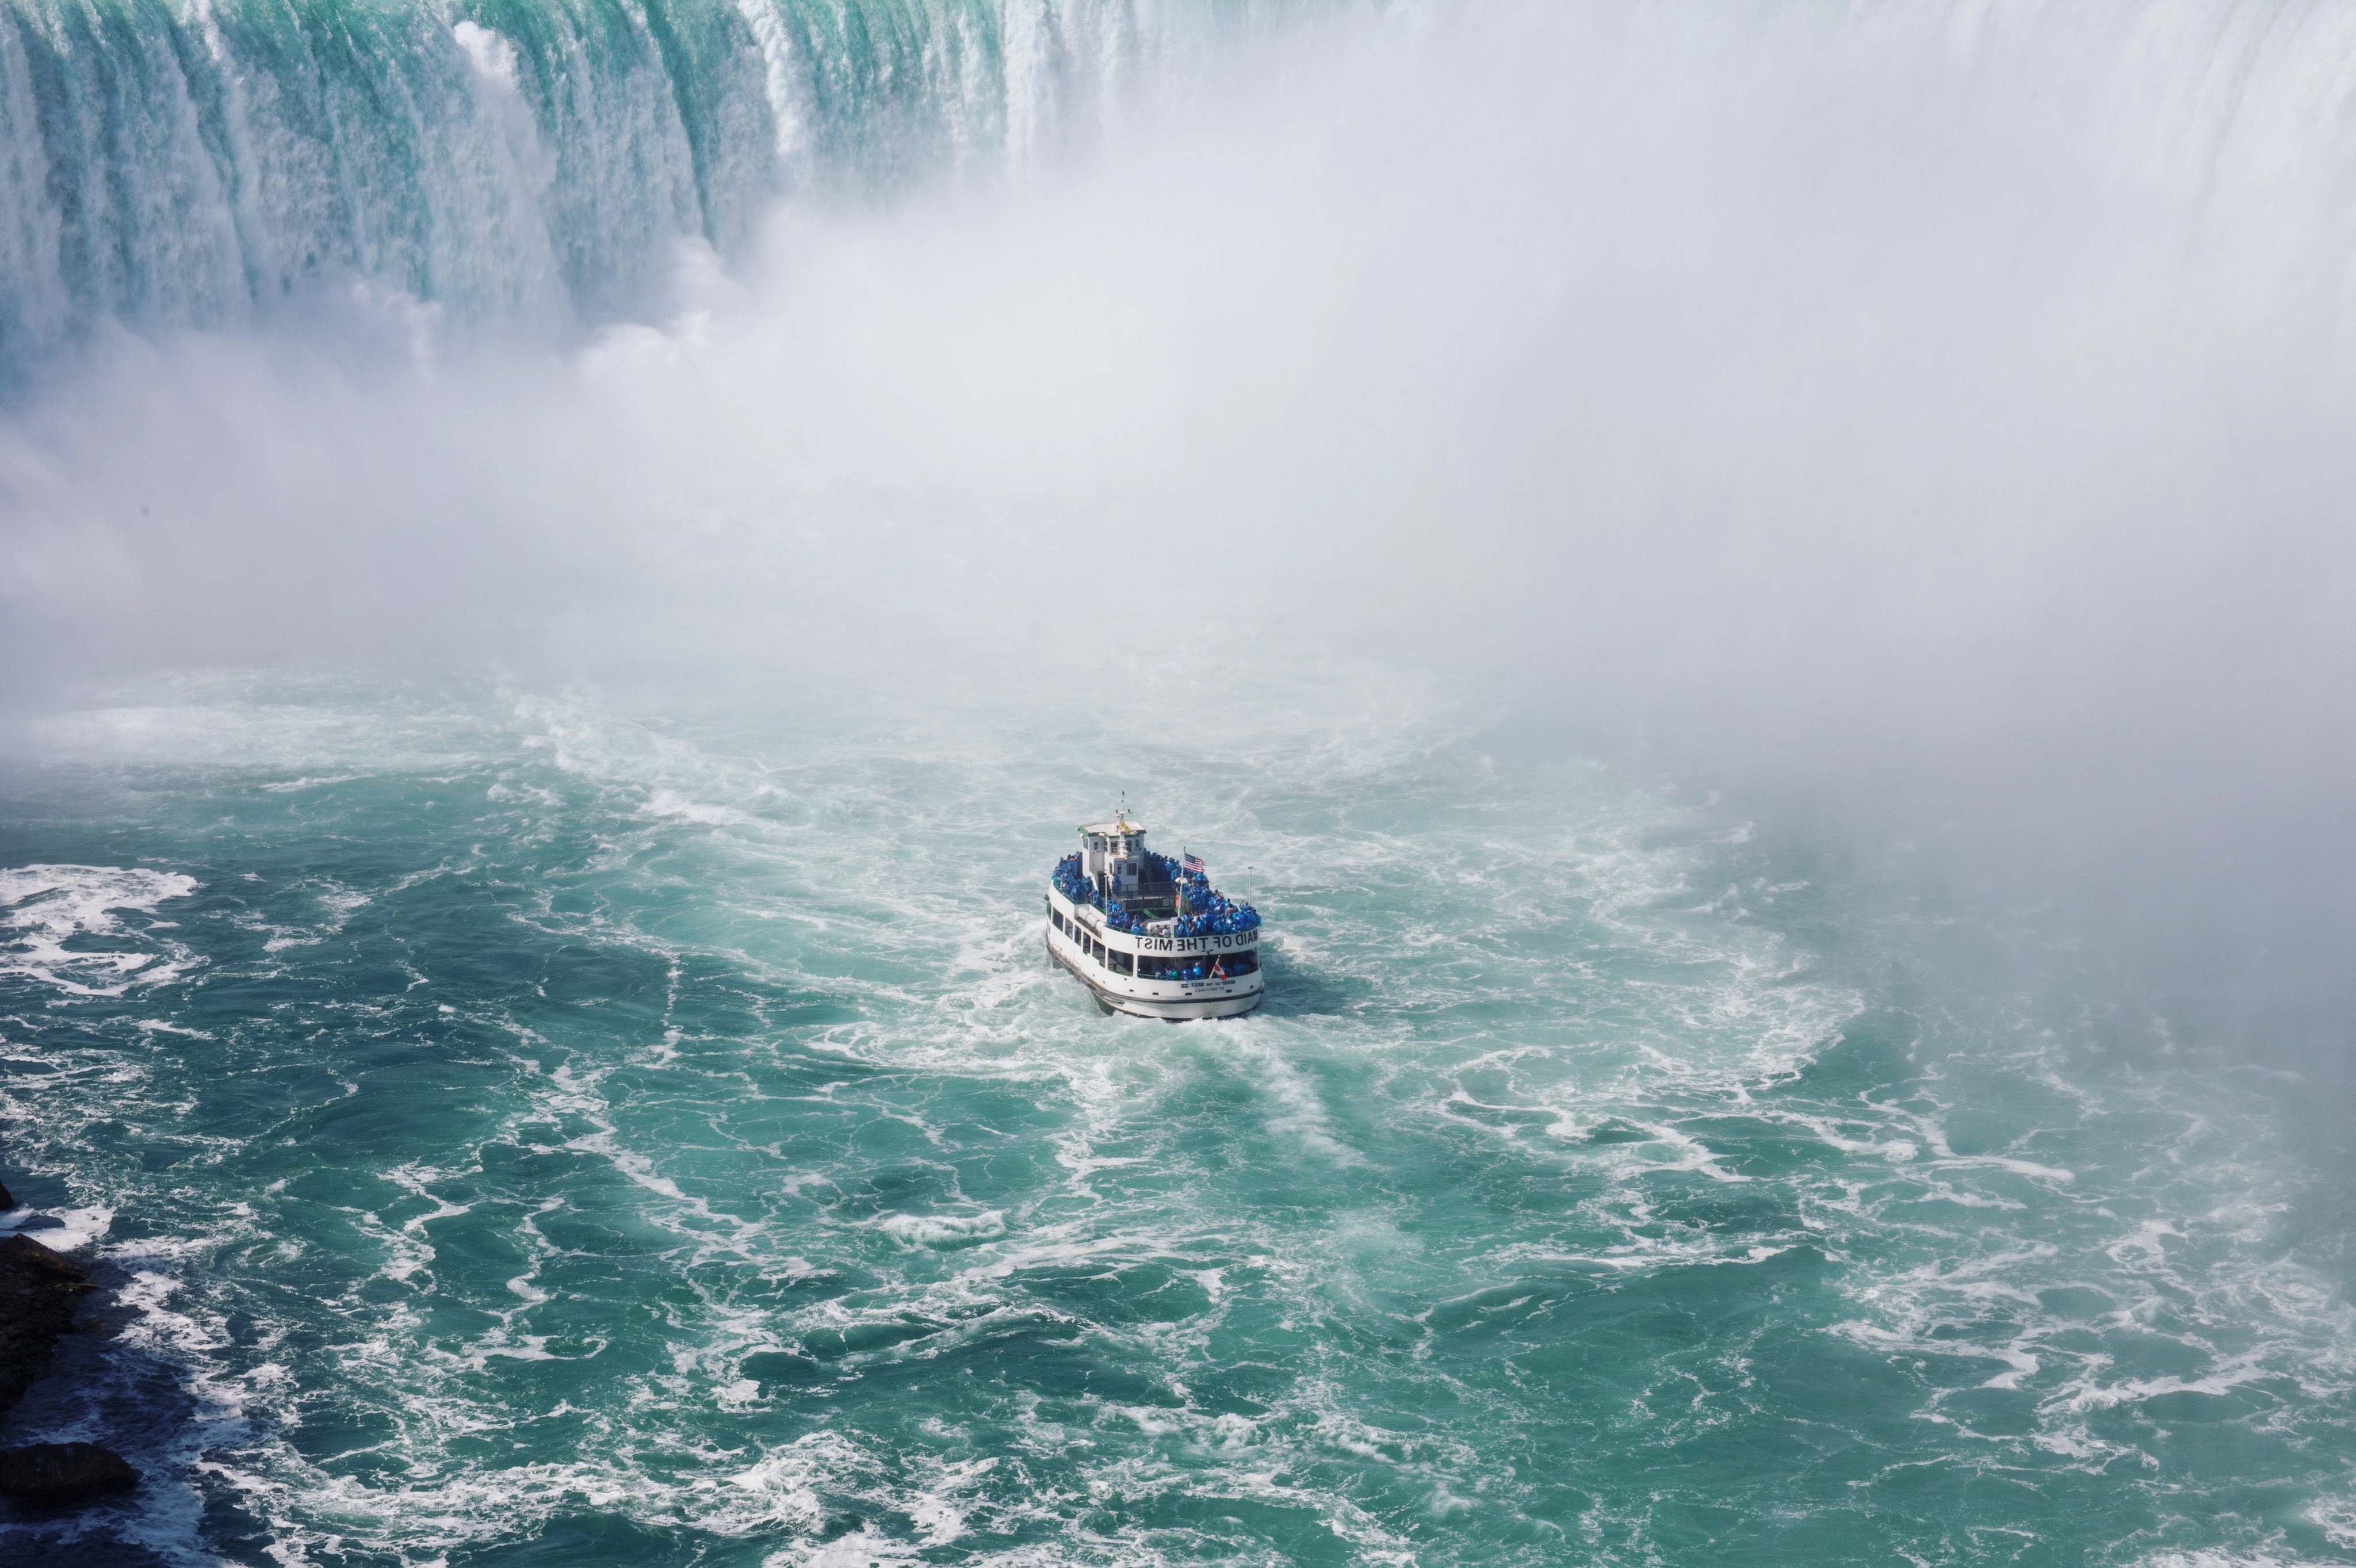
(1194, 863)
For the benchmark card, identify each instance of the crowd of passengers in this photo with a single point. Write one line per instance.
(1203, 909)
(1226, 966)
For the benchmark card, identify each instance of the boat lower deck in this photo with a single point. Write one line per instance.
(1230, 1003)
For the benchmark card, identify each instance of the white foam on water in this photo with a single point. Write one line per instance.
(943, 1230)
(1583, 1011)
(673, 804)
(336, 903)
(409, 1246)
(1296, 1113)
(159, 1026)
(43, 908)
(60, 1230)
(2335, 1517)
(2204, 1276)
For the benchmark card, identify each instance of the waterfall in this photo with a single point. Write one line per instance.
(190, 163)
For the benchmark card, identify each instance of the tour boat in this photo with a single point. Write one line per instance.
(1148, 935)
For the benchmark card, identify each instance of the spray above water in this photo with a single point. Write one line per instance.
(658, 1133)
(1917, 406)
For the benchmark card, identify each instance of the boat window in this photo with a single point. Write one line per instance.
(1205, 966)
(1120, 964)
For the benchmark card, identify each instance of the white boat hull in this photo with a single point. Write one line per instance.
(1174, 1001)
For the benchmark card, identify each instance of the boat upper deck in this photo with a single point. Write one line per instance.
(1140, 893)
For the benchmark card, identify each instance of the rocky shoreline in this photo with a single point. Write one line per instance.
(41, 1292)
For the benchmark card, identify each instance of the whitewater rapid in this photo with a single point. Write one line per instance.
(664, 1137)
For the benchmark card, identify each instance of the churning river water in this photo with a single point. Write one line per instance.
(526, 1129)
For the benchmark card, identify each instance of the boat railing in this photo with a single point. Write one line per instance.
(1156, 900)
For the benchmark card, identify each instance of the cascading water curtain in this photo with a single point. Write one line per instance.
(512, 161)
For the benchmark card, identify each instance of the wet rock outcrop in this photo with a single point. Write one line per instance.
(39, 1293)
(48, 1474)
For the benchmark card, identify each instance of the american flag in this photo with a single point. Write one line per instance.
(1194, 863)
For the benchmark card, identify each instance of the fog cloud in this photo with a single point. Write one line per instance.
(1937, 420)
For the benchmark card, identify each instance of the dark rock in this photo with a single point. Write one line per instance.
(53, 1473)
(6, 1201)
(38, 1293)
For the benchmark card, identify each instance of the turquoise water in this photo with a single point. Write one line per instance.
(530, 1129)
